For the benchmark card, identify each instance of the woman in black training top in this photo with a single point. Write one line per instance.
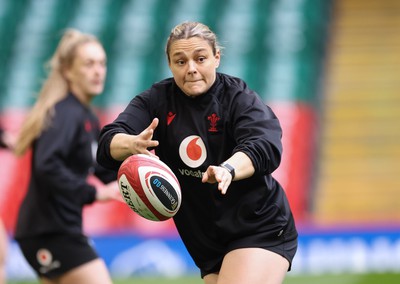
(223, 143)
(62, 131)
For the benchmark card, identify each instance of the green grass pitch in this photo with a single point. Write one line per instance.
(389, 278)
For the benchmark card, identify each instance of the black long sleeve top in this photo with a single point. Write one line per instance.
(62, 158)
(194, 133)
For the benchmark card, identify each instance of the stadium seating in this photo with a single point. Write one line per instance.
(359, 168)
(258, 35)
(10, 13)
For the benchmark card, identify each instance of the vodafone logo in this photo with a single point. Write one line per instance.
(44, 257)
(193, 151)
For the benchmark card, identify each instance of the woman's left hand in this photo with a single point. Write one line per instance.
(218, 174)
(109, 192)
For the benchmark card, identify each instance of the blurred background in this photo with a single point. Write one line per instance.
(330, 69)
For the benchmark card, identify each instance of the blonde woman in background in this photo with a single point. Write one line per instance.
(62, 132)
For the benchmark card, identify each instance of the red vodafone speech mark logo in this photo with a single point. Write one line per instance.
(193, 151)
(44, 257)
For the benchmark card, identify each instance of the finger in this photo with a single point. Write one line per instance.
(147, 134)
(153, 125)
(149, 131)
(222, 187)
(218, 175)
(150, 153)
(204, 179)
(148, 144)
(210, 175)
(224, 182)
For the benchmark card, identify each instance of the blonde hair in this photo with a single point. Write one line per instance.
(187, 30)
(54, 89)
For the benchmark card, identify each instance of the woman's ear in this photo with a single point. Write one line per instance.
(217, 58)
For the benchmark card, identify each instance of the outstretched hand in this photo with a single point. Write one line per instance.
(143, 141)
(220, 175)
(109, 192)
(124, 145)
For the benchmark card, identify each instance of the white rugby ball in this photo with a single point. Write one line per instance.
(149, 187)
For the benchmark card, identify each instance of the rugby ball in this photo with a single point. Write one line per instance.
(149, 187)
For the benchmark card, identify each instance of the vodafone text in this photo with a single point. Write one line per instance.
(192, 173)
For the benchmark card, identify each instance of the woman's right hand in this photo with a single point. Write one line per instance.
(124, 145)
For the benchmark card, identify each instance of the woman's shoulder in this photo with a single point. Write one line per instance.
(68, 101)
(232, 82)
(162, 86)
(70, 107)
(231, 88)
(158, 92)
(158, 88)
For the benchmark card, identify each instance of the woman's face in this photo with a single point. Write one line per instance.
(87, 73)
(193, 65)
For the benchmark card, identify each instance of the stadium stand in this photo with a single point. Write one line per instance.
(359, 166)
(10, 13)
